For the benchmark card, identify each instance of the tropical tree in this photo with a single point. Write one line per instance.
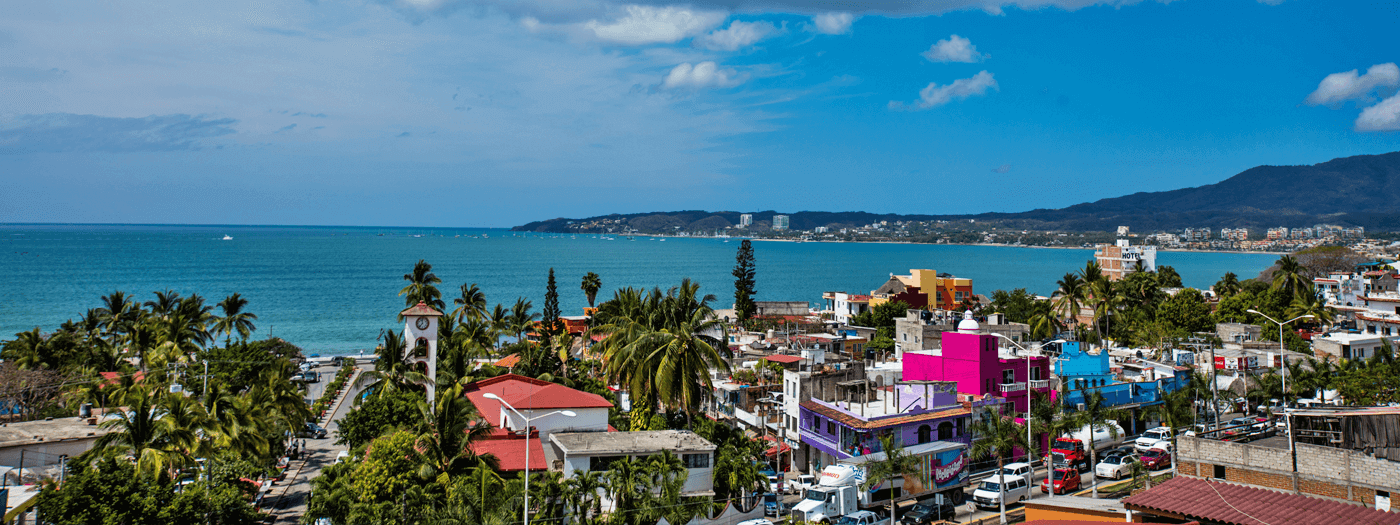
(446, 433)
(1049, 419)
(118, 312)
(1228, 285)
(591, 284)
(897, 463)
(1098, 414)
(234, 319)
(142, 432)
(549, 318)
(471, 304)
(1311, 304)
(1175, 411)
(393, 371)
(521, 318)
(166, 303)
(1291, 276)
(420, 287)
(999, 436)
(744, 273)
(1070, 298)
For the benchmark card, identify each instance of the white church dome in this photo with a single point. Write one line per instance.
(968, 325)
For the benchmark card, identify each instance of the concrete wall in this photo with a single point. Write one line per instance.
(1322, 471)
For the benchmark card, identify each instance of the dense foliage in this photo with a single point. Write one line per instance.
(112, 491)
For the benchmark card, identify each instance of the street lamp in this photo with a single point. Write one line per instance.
(565, 413)
(1013, 342)
(1283, 358)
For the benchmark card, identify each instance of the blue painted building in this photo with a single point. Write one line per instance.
(1086, 372)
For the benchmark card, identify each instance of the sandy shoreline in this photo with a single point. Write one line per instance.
(1160, 249)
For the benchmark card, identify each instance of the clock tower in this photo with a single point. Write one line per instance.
(420, 332)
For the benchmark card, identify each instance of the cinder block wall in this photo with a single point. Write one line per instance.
(1322, 471)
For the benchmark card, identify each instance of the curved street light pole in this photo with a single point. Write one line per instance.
(1049, 469)
(565, 413)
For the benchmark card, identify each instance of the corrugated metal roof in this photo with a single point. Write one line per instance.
(1233, 504)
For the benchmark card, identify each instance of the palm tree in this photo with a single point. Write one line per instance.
(500, 323)
(420, 287)
(521, 318)
(1228, 285)
(166, 302)
(1044, 326)
(1070, 300)
(1105, 299)
(447, 431)
(1097, 414)
(591, 284)
(142, 432)
(118, 312)
(472, 303)
(1175, 411)
(998, 436)
(28, 350)
(393, 371)
(1310, 304)
(234, 319)
(1290, 276)
(1050, 420)
(897, 464)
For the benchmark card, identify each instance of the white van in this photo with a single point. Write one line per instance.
(986, 495)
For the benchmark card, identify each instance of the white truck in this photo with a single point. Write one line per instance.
(839, 490)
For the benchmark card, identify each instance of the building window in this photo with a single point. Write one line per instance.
(831, 427)
(1035, 373)
(945, 431)
(925, 434)
(602, 463)
(1219, 472)
(1008, 376)
(817, 423)
(989, 385)
(420, 347)
(697, 460)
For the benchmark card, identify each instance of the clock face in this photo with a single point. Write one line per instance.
(422, 323)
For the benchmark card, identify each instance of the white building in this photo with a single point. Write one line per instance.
(844, 306)
(420, 331)
(745, 220)
(780, 222)
(1120, 259)
(596, 451)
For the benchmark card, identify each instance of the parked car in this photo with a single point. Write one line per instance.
(1115, 466)
(939, 507)
(312, 430)
(1066, 480)
(1022, 470)
(1016, 489)
(1156, 458)
(772, 505)
(802, 483)
(1153, 438)
(863, 517)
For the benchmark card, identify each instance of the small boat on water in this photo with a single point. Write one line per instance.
(227, 238)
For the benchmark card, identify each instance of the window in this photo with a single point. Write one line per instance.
(602, 463)
(696, 460)
(1219, 472)
(1035, 373)
(1008, 376)
(989, 385)
(925, 434)
(420, 347)
(831, 427)
(816, 423)
(945, 430)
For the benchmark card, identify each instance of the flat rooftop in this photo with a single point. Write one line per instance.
(621, 443)
(1079, 503)
(60, 429)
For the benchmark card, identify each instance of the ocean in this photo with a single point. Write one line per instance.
(332, 289)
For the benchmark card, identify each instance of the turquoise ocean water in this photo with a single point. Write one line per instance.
(332, 289)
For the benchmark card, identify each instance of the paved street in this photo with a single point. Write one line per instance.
(296, 488)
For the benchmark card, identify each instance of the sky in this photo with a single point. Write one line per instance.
(493, 113)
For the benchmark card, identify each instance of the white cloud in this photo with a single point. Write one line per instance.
(738, 34)
(1384, 116)
(935, 95)
(953, 49)
(1347, 85)
(656, 25)
(834, 23)
(1271, 2)
(703, 75)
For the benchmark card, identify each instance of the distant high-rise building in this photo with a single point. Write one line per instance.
(1275, 234)
(1122, 231)
(780, 222)
(745, 220)
(820, 229)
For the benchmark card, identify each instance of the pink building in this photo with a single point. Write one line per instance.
(975, 362)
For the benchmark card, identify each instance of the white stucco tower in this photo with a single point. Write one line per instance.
(420, 331)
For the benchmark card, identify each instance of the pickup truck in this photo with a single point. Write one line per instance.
(863, 517)
(939, 507)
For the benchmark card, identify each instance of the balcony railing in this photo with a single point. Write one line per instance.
(1040, 383)
(1012, 387)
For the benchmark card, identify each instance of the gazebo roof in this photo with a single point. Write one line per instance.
(421, 310)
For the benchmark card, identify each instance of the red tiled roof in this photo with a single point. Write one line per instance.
(1227, 503)
(511, 453)
(529, 393)
(114, 378)
(854, 422)
(508, 361)
(785, 359)
(421, 310)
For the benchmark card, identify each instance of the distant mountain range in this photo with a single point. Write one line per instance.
(1353, 191)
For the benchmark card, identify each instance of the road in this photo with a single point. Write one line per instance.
(295, 489)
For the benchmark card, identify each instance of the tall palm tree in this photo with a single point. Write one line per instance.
(234, 319)
(998, 436)
(420, 287)
(118, 312)
(1098, 414)
(471, 304)
(1070, 299)
(28, 350)
(142, 432)
(446, 433)
(521, 318)
(500, 323)
(1291, 276)
(1050, 420)
(591, 284)
(1106, 300)
(393, 371)
(897, 464)
(1228, 285)
(166, 303)
(1310, 304)
(1175, 411)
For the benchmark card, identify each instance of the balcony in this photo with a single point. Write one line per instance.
(1040, 383)
(1011, 387)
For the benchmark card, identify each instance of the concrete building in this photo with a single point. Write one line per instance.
(1128, 383)
(38, 447)
(597, 451)
(843, 306)
(980, 367)
(849, 425)
(923, 330)
(1276, 234)
(819, 380)
(1119, 259)
(1346, 345)
(781, 222)
(924, 289)
(745, 220)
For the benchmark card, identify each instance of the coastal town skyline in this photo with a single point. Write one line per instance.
(491, 115)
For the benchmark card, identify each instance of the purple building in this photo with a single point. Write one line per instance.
(916, 411)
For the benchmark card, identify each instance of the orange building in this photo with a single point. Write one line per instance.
(924, 289)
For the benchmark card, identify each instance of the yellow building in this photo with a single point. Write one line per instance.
(924, 289)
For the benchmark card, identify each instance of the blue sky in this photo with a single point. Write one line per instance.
(497, 112)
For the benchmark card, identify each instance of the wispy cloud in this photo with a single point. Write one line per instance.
(739, 34)
(834, 23)
(702, 75)
(935, 95)
(65, 132)
(655, 25)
